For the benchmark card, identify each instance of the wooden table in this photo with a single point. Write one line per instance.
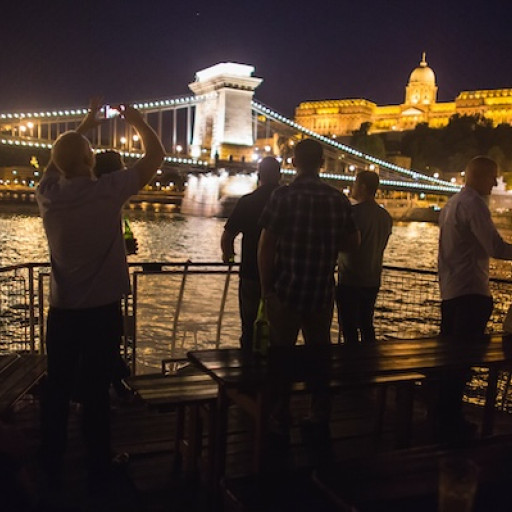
(246, 380)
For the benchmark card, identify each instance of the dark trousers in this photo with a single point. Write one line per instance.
(249, 293)
(82, 348)
(356, 306)
(463, 317)
(466, 315)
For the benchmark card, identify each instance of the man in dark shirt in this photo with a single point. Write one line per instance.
(360, 270)
(244, 219)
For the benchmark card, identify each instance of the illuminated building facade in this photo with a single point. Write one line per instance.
(342, 117)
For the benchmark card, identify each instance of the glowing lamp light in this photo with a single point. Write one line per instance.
(179, 148)
(453, 180)
(159, 171)
(267, 148)
(30, 125)
(135, 138)
(23, 128)
(462, 173)
(371, 167)
(352, 167)
(436, 175)
(122, 140)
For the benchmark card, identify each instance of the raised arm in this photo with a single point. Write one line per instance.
(91, 120)
(154, 151)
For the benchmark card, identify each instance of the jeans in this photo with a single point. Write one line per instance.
(285, 324)
(249, 293)
(82, 347)
(356, 306)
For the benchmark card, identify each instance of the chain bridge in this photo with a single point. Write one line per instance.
(219, 128)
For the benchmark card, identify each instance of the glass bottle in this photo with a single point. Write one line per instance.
(261, 333)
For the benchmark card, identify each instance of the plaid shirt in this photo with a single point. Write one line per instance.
(311, 220)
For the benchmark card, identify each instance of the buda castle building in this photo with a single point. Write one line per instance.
(342, 117)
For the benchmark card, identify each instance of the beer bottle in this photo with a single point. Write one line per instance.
(128, 233)
(261, 333)
(129, 240)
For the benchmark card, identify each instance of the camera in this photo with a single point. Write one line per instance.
(110, 112)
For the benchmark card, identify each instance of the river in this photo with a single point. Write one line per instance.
(170, 237)
(176, 237)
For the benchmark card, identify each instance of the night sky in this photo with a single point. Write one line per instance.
(59, 53)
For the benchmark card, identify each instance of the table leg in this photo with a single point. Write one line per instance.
(404, 405)
(490, 401)
(260, 432)
(219, 453)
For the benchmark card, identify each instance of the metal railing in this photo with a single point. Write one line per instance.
(178, 306)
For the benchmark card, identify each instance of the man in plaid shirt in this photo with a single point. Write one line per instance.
(305, 226)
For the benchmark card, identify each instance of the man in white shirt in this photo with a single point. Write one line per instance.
(89, 275)
(467, 239)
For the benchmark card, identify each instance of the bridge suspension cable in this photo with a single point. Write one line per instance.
(415, 175)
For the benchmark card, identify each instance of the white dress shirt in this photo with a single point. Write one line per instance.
(467, 239)
(82, 220)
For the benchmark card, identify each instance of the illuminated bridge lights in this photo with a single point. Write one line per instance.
(182, 101)
(443, 185)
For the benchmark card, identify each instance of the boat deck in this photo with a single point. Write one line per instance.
(151, 482)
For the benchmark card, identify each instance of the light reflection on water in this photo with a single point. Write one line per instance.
(174, 237)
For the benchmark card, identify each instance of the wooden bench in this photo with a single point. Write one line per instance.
(186, 390)
(192, 394)
(18, 374)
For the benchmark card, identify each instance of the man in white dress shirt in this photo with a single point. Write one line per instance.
(89, 276)
(468, 238)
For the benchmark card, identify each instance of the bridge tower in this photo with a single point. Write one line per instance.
(223, 119)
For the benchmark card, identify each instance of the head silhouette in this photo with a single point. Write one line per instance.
(308, 156)
(269, 171)
(481, 174)
(107, 162)
(365, 186)
(72, 154)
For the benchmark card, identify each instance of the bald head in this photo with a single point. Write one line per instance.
(269, 171)
(481, 174)
(72, 154)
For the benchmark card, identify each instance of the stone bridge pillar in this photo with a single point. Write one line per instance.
(223, 119)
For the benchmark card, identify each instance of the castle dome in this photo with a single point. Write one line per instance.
(422, 74)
